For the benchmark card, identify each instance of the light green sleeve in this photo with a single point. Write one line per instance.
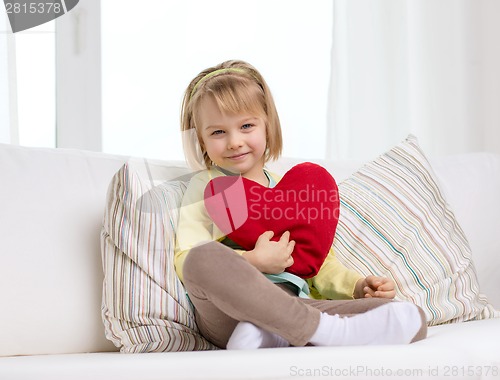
(334, 280)
(195, 226)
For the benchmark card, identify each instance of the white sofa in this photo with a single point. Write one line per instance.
(51, 209)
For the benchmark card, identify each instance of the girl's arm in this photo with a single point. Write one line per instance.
(334, 280)
(194, 226)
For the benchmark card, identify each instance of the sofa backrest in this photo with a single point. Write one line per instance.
(471, 185)
(51, 210)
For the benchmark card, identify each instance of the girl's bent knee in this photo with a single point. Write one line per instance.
(202, 261)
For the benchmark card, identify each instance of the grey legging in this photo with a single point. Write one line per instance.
(225, 289)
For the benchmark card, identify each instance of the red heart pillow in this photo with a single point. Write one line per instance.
(305, 202)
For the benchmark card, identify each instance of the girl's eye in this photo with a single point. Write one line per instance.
(246, 126)
(217, 132)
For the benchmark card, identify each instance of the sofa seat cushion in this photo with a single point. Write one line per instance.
(447, 353)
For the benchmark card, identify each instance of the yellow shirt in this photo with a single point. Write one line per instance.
(333, 281)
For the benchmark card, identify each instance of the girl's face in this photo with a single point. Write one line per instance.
(235, 142)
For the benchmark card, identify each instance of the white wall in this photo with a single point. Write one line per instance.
(489, 70)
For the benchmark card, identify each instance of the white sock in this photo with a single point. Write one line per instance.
(247, 336)
(392, 323)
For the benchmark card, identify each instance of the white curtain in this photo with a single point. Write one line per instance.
(427, 67)
(8, 103)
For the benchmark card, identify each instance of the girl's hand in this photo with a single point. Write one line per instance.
(373, 286)
(271, 257)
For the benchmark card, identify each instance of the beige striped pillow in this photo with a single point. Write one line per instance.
(144, 306)
(395, 222)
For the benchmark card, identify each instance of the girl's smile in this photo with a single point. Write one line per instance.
(238, 156)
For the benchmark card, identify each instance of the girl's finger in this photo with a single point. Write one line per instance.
(386, 286)
(369, 291)
(389, 294)
(266, 235)
(285, 236)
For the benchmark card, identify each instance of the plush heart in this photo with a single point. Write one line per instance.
(305, 202)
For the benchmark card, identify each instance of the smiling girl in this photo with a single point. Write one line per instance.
(244, 299)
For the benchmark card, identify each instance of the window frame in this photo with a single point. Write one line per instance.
(78, 78)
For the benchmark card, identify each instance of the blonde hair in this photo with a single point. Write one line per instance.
(236, 86)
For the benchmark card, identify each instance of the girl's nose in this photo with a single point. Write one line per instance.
(234, 141)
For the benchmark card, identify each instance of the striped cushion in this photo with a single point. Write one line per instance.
(395, 222)
(144, 306)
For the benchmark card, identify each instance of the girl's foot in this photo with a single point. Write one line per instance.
(248, 336)
(392, 323)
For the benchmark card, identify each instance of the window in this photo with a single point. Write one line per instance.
(35, 85)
